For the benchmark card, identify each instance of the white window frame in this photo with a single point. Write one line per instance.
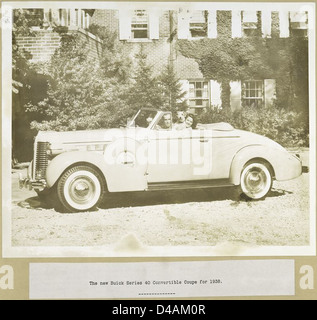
(126, 20)
(299, 21)
(196, 24)
(247, 99)
(184, 24)
(205, 97)
(249, 22)
(140, 24)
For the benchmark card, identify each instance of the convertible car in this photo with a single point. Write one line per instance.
(80, 168)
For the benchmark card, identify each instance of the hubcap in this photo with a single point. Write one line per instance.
(81, 190)
(256, 181)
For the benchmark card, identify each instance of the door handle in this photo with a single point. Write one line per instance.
(128, 162)
(203, 140)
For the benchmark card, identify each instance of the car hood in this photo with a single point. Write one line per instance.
(80, 139)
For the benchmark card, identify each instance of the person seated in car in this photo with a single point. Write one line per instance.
(190, 121)
(165, 123)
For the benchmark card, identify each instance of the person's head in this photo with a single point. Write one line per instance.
(190, 121)
(167, 120)
(180, 116)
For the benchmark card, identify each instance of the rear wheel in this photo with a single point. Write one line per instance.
(80, 188)
(256, 180)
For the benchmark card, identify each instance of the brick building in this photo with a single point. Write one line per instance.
(158, 30)
(43, 44)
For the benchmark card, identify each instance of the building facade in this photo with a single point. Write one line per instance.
(158, 33)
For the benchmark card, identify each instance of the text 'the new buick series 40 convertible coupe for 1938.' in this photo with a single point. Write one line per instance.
(80, 168)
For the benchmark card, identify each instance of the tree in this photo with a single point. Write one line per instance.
(25, 88)
(173, 95)
(83, 92)
(146, 91)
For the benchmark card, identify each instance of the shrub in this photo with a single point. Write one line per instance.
(288, 128)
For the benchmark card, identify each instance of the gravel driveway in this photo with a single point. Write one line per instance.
(194, 218)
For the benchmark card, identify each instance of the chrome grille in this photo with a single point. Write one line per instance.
(41, 160)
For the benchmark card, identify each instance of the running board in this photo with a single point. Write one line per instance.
(197, 184)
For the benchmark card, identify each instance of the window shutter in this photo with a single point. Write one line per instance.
(184, 88)
(284, 24)
(266, 19)
(154, 24)
(215, 94)
(183, 24)
(269, 91)
(236, 24)
(235, 95)
(125, 18)
(212, 24)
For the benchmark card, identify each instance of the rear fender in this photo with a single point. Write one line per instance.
(284, 165)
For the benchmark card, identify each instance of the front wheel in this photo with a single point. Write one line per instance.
(256, 180)
(80, 188)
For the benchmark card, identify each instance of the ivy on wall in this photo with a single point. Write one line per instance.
(228, 59)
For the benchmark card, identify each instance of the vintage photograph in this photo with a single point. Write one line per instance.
(148, 129)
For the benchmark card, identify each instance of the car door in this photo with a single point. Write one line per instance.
(178, 155)
(201, 154)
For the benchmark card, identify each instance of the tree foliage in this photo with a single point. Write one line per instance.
(146, 91)
(83, 92)
(27, 87)
(173, 95)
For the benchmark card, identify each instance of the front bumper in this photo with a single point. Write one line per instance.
(31, 184)
(28, 182)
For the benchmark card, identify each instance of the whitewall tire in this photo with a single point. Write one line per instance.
(256, 180)
(80, 188)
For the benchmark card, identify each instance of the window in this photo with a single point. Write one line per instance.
(198, 94)
(252, 93)
(250, 23)
(198, 23)
(299, 24)
(139, 25)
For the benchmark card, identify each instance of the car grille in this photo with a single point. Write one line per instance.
(41, 160)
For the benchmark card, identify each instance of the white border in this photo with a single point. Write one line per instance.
(221, 250)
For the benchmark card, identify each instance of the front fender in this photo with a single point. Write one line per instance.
(285, 166)
(64, 160)
(120, 175)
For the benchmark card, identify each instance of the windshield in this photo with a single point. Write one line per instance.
(143, 118)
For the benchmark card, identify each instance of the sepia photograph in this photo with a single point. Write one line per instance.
(135, 129)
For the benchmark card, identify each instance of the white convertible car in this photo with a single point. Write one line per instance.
(81, 167)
